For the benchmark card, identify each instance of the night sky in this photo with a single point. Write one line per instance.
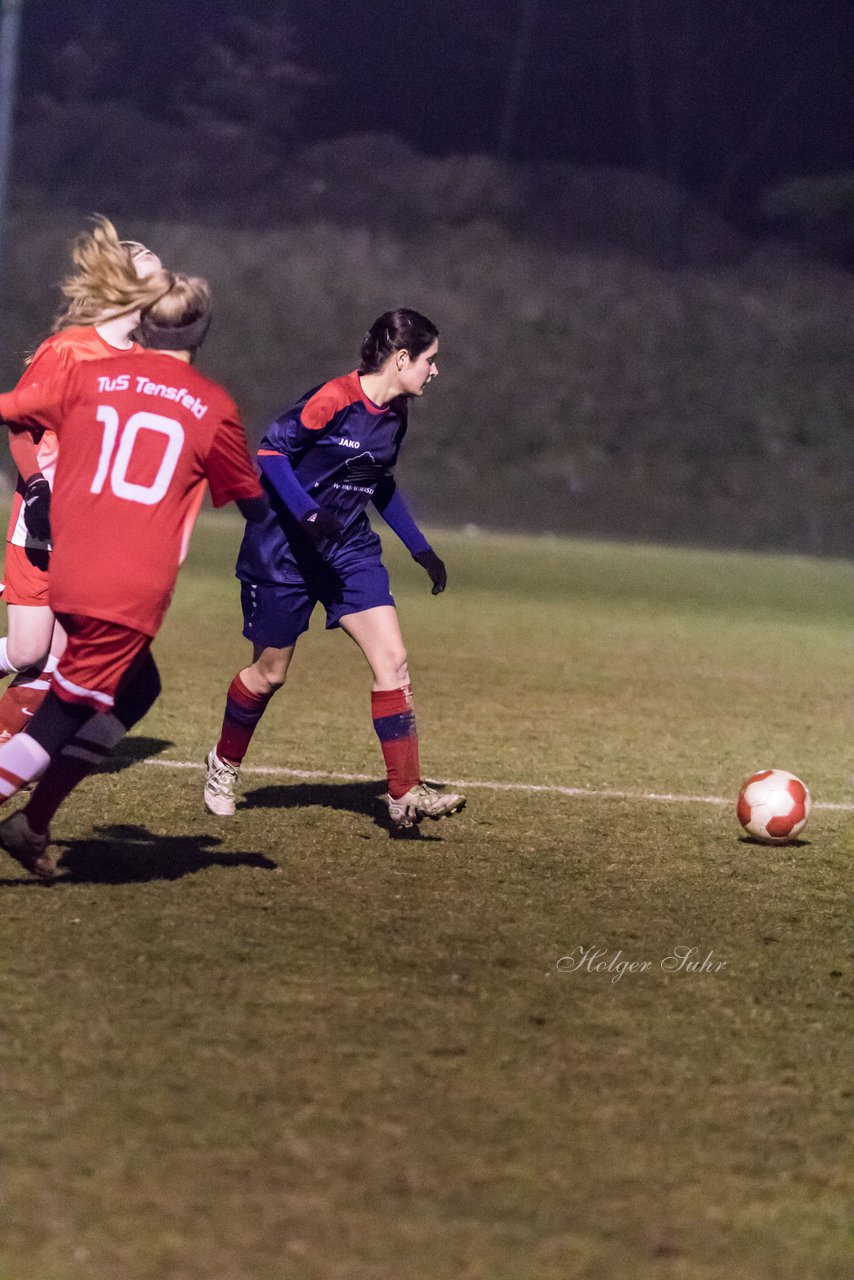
(722, 95)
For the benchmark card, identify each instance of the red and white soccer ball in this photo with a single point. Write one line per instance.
(773, 806)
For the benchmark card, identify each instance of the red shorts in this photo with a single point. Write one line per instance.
(96, 658)
(26, 575)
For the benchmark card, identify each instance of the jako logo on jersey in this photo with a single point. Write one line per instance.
(350, 444)
(179, 394)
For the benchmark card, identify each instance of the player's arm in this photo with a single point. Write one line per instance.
(22, 447)
(32, 406)
(37, 404)
(389, 501)
(285, 442)
(277, 469)
(230, 473)
(253, 509)
(46, 365)
(41, 385)
(319, 522)
(36, 505)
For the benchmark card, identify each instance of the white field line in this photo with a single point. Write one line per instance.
(581, 793)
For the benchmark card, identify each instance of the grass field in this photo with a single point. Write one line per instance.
(287, 1047)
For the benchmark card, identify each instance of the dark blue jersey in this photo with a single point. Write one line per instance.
(342, 448)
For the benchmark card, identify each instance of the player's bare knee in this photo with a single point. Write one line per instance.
(399, 669)
(26, 656)
(265, 676)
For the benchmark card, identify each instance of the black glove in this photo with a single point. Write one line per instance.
(436, 569)
(322, 525)
(37, 508)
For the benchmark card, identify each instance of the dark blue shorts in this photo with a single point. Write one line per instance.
(276, 614)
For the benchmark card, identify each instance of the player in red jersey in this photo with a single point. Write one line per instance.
(139, 436)
(113, 279)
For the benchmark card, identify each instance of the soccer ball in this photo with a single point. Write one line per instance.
(773, 806)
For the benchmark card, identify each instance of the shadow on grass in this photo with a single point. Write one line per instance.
(362, 798)
(132, 751)
(773, 844)
(132, 855)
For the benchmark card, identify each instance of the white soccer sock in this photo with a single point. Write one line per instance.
(6, 667)
(22, 759)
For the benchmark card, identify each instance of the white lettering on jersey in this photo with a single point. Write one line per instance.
(355, 488)
(179, 394)
(350, 444)
(121, 383)
(148, 494)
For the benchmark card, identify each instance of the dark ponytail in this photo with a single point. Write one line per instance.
(398, 330)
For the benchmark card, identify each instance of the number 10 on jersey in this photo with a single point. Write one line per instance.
(117, 446)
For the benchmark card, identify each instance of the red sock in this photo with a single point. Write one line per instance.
(243, 710)
(394, 721)
(19, 704)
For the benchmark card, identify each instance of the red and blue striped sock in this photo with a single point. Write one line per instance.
(394, 721)
(243, 710)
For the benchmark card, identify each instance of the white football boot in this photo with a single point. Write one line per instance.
(420, 802)
(220, 785)
(29, 848)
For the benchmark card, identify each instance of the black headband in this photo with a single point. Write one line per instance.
(184, 337)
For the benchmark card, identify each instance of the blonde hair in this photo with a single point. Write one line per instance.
(105, 283)
(178, 320)
(188, 298)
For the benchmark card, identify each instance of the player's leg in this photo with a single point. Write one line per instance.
(30, 634)
(29, 616)
(7, 666)
(245, 703)
(377, 633)
(91, 745)
(32, 645)
(274, 618)
(35, 642)
(22, 759)
(87, 679)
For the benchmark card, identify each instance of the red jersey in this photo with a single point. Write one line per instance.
(56, 355)
(139, 434)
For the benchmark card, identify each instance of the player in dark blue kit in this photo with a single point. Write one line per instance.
(322, 462)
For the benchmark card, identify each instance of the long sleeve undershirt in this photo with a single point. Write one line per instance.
(390, 503)
(276, 467)
(388, 500)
